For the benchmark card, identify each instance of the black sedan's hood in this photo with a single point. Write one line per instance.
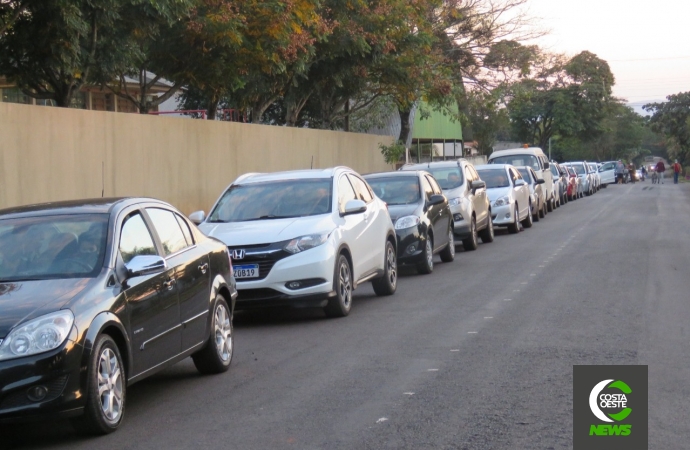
(24, 299)
(398, 211)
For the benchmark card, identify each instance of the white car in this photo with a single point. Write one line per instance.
(594, 173)
(533, 157)
(304, 238)
(536, 191)
(509, 195)
(607, 173)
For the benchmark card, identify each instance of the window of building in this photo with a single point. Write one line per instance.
(14, 95)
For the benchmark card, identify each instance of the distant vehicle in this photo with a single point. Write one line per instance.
(537, 193)
(594, 175)
(574, 188)
(98, 294)
(533, 157)
(420, 212)
(467, 197)
(607, 173)
(509, 195)
(582, 171)
(304, 238)
(559, 185)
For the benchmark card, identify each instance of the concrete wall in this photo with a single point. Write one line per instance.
(50, 154)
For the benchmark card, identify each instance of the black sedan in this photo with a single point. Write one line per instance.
(421, 215)
(98, 294)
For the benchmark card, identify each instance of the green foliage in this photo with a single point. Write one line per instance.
(672, 120)
(392, 153)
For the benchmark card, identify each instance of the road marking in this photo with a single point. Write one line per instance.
(471, 332)
(408, 393)
(432, 370)
(488, 317)
(524, 282)
(516, 290)
(532, 274)
(541, 266)
(382, 419)
(454, 349)
(506, 299)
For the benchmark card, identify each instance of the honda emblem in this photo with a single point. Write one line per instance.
(238, 254)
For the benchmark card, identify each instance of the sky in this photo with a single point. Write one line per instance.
(646, 43)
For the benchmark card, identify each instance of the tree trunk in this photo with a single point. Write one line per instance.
(404, 125)
(212, 107)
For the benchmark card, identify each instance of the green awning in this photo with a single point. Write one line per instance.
(438, 126)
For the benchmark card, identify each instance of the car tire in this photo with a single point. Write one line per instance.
(448, 253)
(98, 419)
(340, 305)
(216, 355)
(535, 214)
(542, 211)
(471, 243)
(527, 223)
(387, 284)
(514, 227)
(550, 206)
(487, 234)
(426, 266)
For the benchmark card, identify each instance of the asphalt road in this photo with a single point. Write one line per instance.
(477, 355)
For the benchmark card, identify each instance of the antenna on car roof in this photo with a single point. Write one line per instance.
(312, 162)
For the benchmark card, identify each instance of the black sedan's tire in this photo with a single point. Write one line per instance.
(387, 284)
(106, 389)
(216, 356)
(340, 305)
(426, 266)
(448, 253)
(487, 234)
(471, 243)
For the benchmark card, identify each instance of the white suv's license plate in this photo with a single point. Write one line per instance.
(246, 271)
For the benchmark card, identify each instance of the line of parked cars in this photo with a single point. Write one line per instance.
(98, 294)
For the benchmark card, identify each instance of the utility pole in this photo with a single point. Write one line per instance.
(549, 149)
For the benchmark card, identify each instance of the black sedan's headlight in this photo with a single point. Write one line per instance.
(36, 336)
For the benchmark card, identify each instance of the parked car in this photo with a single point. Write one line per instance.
(420, 212)
(509, 195)
(582, 171)
(607, 173)
(467, 197)
(533, 157)
(594, 175)
(536, 192)
(574, 187)
(304, 238)
(559, 185)
(98, 294)
(565, 181)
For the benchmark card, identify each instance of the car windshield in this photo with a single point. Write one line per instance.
(274, 200)
(447, 177)
(396, 190)
(494, 178)
(578, 168)
(571, 171)
(518, 160)
(50, 247)
(554, 170)
(525, 174)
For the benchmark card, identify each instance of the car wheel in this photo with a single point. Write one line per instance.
(105, 391)
(339, 306)
(527, 223)
(515, 227)
(550, 205)
(542, 211)
(471, 242)
(216, 355)
(387, 284)
(487, 234)
(535, 213)
(448, 253)
(427, 264)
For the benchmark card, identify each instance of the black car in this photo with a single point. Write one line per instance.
(421, 215)
(98, 294)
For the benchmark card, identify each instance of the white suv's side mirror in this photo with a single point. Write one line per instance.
(197, 217)
(354, 207)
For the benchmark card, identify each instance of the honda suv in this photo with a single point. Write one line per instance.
(304, 238)
(467, 198)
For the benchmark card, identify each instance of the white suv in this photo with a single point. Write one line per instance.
(304, 238)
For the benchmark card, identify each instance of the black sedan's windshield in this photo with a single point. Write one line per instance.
(274, 200)
(494, 178)
(396, 190)
(50, 247)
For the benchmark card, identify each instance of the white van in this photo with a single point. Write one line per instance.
(533, 157)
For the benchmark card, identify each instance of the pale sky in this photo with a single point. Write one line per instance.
(646, 43)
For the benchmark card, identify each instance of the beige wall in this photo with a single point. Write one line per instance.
(49, 154)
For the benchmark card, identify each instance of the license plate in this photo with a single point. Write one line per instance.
(246, 271)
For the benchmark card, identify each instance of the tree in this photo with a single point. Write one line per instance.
(672, 120)
(10, 10)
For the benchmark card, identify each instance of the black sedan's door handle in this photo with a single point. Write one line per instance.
(203, 267)
(170, 284)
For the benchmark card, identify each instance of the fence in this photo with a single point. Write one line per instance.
(50, 154)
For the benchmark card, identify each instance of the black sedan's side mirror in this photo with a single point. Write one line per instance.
(142, 265)
(436, 199)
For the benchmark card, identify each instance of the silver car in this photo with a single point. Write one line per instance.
(582, 171)
(509, 195)
(467, 198)
(537, 191)
(594, 173)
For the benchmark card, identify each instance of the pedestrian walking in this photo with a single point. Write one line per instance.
(677, 169)
(631, 171)
(643, 171)
(660, 169)
(620, 172)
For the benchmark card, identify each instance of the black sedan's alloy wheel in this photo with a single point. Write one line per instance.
(106, 389)
(387, 284)
(216, 356)
(448, 253)
(339, 306)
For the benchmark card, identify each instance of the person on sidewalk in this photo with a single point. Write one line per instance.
(677, 169)
(660, 169)
(620, 172)
(631, 171)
